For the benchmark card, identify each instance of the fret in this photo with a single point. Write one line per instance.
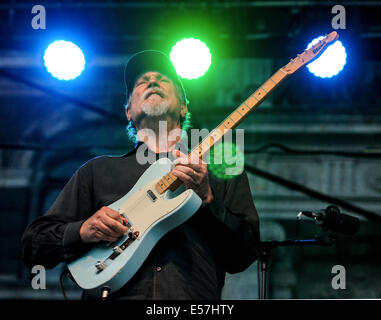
(168, 178)
(235, 117)
(205, 142)
(199, 151)
(271, 78)
(215, 135)
(251, 101)
(165, 182)
(229, 123)
(244, 109)
(196, 152)
(268, 86)
(260, 94)
(237, 110)
(205, 147)
(160, 187)
(161, 184)
(172, 176)
(211, 139)
(221, 128)
(278, 76)
(231, 119)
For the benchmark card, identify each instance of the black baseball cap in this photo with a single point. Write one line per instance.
(146, 61)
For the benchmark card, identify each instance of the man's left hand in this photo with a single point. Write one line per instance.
(194, 174)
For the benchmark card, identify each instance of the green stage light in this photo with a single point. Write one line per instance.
(191, 58)
(226, 160)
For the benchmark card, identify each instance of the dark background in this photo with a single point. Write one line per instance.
(331, 127)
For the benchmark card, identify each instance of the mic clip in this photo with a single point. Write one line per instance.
(317, 216)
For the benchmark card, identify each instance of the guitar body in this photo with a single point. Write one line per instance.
(151, 215)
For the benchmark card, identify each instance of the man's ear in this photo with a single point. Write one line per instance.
(128, 113)
(183, 111)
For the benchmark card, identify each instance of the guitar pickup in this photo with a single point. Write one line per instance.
(151, 195)
(116, 251)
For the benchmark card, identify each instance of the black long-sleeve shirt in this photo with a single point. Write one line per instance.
(187, 263)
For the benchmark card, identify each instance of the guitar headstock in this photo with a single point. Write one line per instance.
(310, 54)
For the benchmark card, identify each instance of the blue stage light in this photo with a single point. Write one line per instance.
(64, 60)
(331, 62)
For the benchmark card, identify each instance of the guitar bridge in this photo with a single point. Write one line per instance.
(117, 250)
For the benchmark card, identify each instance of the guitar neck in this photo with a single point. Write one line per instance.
(171, 182)
(239, 114)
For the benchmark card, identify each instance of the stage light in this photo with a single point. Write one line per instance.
(64, 60)
(191, 58)
(331, 62)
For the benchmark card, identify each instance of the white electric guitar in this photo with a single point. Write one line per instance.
(159, 202)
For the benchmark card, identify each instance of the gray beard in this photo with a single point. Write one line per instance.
(155, 106)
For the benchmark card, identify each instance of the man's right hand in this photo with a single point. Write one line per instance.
(106, 224)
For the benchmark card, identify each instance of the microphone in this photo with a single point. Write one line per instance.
(330, 219)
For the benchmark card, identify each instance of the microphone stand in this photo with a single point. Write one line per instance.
(267, 246)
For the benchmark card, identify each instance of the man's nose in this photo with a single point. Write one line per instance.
(153, 82)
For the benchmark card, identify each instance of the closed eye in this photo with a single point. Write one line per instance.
(140, 83)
